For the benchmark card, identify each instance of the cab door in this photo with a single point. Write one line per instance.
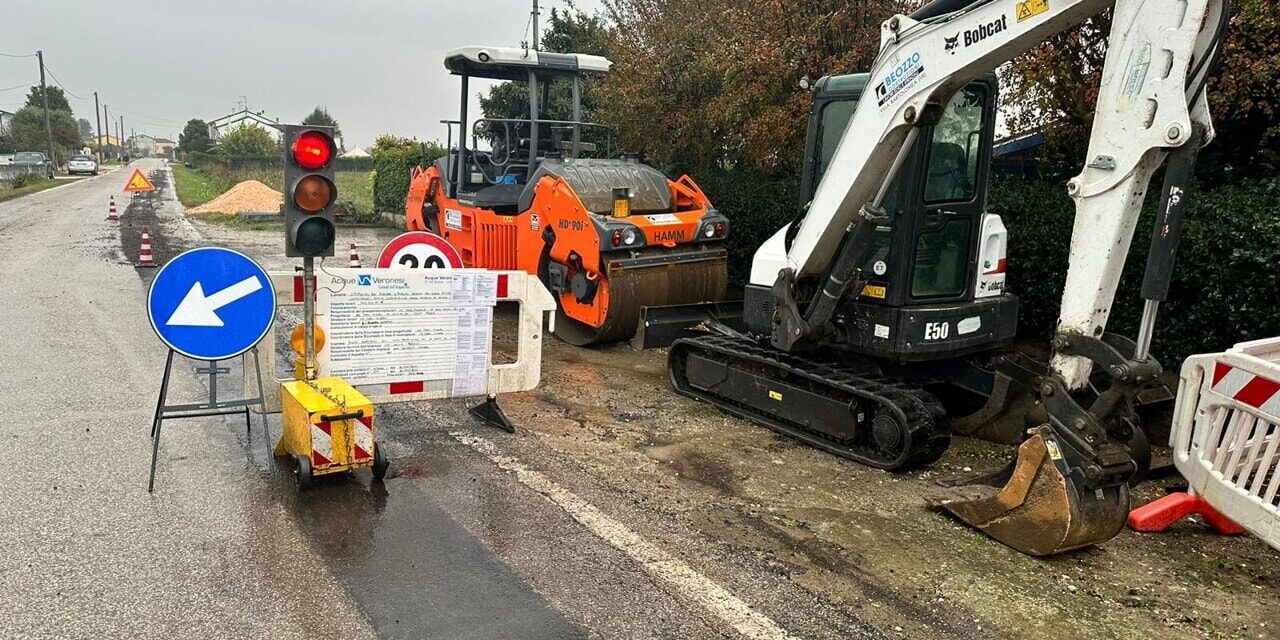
(943, 240)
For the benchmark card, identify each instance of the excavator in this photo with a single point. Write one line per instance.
(607, 235)
(876, 322)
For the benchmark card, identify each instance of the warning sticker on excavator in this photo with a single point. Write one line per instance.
(875, 291)
(1054, 451)
(775, 395)
(1031, 9)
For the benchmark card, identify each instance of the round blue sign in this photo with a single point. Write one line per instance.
(211, 303)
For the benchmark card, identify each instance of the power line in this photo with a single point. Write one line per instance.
(18, 86)
(14, 55)
(63, 87)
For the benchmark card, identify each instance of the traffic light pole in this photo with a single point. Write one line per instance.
(309, 317)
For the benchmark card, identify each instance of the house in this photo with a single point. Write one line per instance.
(165, 146)
(6, 118)
(244, 118)
(142, 144)
(355, 152)
(105, 141)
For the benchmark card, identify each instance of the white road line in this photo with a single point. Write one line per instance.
(658, 563)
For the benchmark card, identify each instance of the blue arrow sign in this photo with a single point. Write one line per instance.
(211, 303)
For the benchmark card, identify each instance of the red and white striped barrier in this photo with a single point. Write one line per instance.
(145, 259)
(1226, 440)
(536, 309)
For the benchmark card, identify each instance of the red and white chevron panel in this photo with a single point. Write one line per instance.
(321, 445)
(1251, 389)
(362, 432)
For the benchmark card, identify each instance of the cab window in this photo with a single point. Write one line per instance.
(835, 117)
(953, 158)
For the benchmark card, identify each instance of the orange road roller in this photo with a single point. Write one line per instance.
(607, 234)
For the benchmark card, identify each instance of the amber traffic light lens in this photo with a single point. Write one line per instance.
(312, 150)
(313, 194)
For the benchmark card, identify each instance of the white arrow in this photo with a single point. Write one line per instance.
(198, 310)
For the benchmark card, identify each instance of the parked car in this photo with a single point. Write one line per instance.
(82, 164)
(34, 158)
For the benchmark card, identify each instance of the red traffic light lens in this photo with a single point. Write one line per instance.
(312, 150)
(313, 193)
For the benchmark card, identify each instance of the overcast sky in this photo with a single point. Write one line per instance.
(376, 64)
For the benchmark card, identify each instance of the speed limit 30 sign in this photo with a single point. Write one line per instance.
(419, 250)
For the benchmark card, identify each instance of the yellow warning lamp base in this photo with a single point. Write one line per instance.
(328, 428)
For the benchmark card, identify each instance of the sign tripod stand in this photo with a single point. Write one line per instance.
(213, 407)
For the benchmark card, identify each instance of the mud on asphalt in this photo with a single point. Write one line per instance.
(147, 211)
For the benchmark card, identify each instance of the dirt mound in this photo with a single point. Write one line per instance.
(249, 195)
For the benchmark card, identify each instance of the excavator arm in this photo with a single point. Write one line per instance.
(1069, 485)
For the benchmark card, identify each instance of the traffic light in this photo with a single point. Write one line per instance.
(309, 191)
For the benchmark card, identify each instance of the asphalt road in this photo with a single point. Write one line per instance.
(618, 510)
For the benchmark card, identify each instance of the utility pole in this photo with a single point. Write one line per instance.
(106, 117)
(120, 133)
(97, 115)
(44, 97)
(535, 25)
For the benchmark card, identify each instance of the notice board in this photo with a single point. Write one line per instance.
(386, 326)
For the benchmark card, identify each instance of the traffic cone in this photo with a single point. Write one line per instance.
(111, 212)
(355, 258)
(145, 259)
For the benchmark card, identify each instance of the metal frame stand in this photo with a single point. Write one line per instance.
(492, 414)
(214, 406)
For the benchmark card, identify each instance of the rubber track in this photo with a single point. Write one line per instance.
(927, 429)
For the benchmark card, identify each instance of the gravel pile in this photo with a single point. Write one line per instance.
(249, 195)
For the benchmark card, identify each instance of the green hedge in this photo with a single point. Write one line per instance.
(1226, 281)
(393, 167)
(756, 205)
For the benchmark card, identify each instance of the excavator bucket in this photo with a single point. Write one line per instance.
(1036, 505)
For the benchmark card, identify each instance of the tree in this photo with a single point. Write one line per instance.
(248, 140)
(86, 128)
(320, 117)
(701, 103)
(26, 130)
(57, 99)
(194, 136)
(1053, 89)
(568, 31)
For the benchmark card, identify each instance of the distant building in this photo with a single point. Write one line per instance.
(165, 146)
(1017, 155)
(6, 120)
(106, 141)
(355, 152)
(244, 118)
(142, 144)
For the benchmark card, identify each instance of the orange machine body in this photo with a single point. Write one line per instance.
(602, 259)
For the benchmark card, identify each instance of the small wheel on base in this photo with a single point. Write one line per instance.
(380, 462)
(305, 477)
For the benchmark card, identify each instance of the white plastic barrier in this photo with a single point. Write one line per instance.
(535, 302)
(1226, 434)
